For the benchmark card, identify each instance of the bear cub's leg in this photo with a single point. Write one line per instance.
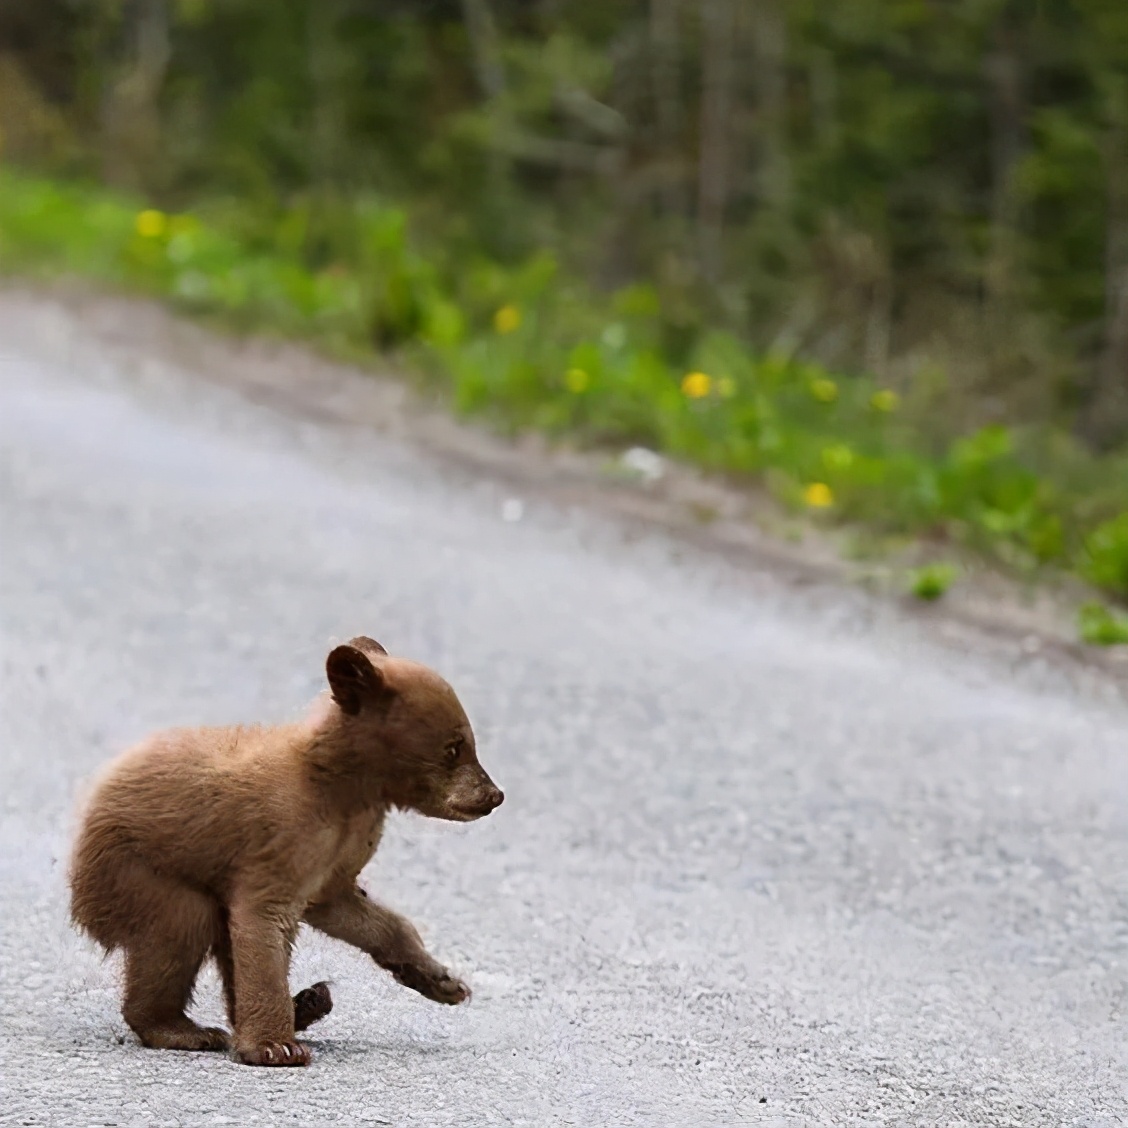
(310, 1005)
(391, 940)
(158, 987)
(162, 959)
(260, 938)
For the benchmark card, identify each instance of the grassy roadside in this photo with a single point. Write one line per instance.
(531, 349)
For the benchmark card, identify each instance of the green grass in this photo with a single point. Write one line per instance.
(529, 347)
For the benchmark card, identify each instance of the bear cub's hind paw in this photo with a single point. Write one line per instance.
(312, 1005)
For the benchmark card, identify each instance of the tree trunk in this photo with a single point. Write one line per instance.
(879, 321)
(770, 30)
(665, 66)
(327, 64)
(484, 46)
(130, 116)
(1003, 68)
(1106, 420)
(823, 80)
(716, 107)
(1114, 362)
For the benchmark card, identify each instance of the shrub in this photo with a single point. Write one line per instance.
(932, 581)
(533, 348)
(1105, 559)
(1101, 627)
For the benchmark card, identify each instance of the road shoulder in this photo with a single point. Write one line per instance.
(1024, 627)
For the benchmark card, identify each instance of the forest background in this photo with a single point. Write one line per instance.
(871, 255)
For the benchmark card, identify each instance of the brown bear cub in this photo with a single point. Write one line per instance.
(221, 841)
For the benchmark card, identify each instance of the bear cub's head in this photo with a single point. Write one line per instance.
(411, 720)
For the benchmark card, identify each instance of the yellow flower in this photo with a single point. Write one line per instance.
(838, 457)
(726, 387)
(696, 385)
(824, 390)
(818, 495)
(577, 380)
(151, 224)
(507, 319)
(885, 401)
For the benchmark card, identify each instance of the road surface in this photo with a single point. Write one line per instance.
(762, 860)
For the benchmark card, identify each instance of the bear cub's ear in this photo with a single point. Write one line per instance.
(363, 642)
(354, 680)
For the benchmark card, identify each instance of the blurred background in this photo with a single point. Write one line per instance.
(872, 255)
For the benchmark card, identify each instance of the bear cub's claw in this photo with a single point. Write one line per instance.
(275, 1053)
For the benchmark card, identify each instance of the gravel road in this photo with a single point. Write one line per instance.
(764, 859)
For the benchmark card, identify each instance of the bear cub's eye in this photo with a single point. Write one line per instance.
(454, 750)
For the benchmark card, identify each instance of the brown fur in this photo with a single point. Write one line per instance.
(220, 841)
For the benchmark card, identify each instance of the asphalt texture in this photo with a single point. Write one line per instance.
(762, 859)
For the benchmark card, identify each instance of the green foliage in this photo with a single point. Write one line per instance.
(1105, 559)
(915, 212)
(530, 347)
(1099, 626)
(932, 581)
(898, 178)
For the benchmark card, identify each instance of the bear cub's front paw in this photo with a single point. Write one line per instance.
(433, 983)
(275, 1053)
